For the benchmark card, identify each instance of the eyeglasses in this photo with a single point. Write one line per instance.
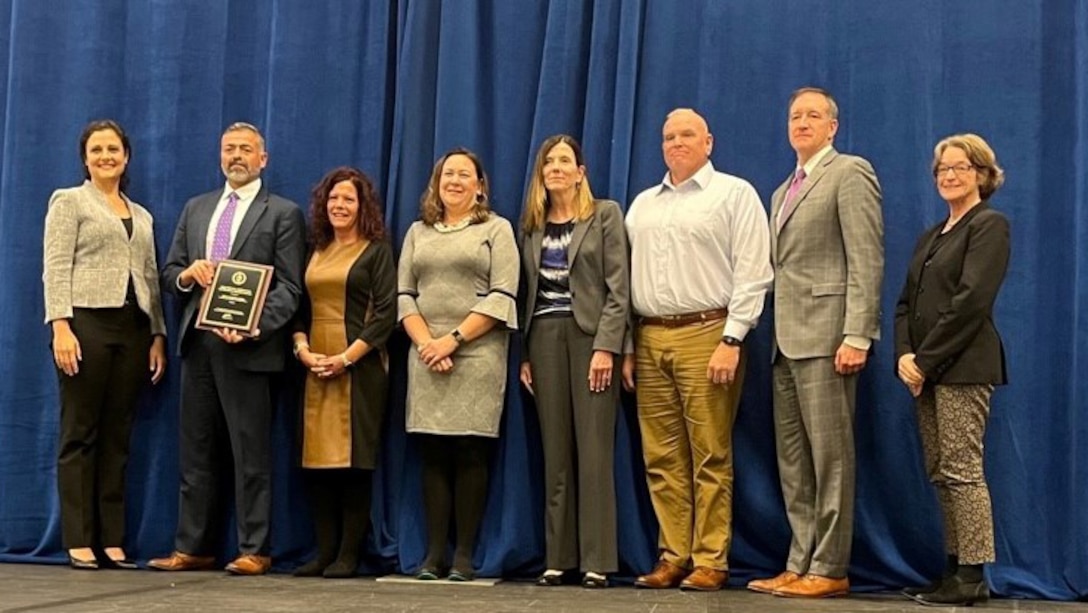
(959, 169)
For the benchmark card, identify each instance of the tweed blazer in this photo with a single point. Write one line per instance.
(945, 314)
(599, 277)
(89, 258)
(828, 258)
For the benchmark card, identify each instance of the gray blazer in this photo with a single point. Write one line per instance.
(88, 257)
(599, 277)
(828, 259)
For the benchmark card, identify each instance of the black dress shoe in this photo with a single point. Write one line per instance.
(547, 580)
(955, 592)
(594, 581)
(461, 575)
(78, 564)
(911, 592)
(122, 564)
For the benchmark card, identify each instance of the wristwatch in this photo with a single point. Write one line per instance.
(457, 336)
(732, 341)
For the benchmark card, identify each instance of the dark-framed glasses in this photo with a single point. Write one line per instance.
(959, 169)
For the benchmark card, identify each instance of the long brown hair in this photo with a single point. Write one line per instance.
(536, 196)
(431, 208)
(368, 222)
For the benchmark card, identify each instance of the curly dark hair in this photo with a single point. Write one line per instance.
(369, 222)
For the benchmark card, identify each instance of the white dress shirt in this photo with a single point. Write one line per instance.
(701, 245)
(246, 195)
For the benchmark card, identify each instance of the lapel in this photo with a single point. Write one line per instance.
(962, 223)
(536, 241)
(810, 182)
(256, 209)
(579, 233)
(202, 219)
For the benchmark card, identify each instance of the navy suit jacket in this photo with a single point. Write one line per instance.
(273, 233)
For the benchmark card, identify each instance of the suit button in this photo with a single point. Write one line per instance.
(917, 316)
(928, 262)
(921, 290)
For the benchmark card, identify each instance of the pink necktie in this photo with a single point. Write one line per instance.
(221, 241)
(791, 197)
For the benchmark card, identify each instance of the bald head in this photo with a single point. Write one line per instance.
(686, 143)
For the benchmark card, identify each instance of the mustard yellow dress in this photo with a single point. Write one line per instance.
(351, 294)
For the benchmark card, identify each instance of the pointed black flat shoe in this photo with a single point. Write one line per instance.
(593, 583)
(82, 564)
(546, 580)
(123, 564)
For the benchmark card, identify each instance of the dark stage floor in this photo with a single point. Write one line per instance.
(58, 588)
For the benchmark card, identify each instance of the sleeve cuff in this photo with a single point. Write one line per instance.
(858, 342)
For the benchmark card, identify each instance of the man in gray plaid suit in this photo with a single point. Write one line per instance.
(828, 255)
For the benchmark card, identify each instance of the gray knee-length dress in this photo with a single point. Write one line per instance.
(444, 274)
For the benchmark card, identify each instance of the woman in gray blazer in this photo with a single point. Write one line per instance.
(102, 303)
(574, 303)
(950, 356)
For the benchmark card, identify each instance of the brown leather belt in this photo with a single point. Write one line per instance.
(684, 319)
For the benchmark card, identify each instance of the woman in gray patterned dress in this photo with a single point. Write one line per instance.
(457, 283)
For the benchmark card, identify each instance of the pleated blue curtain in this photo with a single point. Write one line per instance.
(390, 86)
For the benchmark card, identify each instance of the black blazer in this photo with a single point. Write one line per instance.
(272, 232)
(945, 312)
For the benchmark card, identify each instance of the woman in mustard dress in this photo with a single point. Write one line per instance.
(348, 314)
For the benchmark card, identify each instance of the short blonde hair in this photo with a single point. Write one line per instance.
(981, 156)
(431, 209)
(536, 197)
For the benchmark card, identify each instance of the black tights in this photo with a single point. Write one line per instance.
(454, 476)
(340, 501)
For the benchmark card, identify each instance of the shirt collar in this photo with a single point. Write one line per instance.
(700, 179)
(814, 161)
(246, 193)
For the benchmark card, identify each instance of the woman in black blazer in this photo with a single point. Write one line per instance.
(102, 301)
(950, 356)
(340, 332)
(574, 306)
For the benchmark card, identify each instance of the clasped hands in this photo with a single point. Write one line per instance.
(436, 352)
(324, 366)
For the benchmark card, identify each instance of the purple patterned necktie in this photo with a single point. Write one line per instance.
(791, 197)
(221, 241)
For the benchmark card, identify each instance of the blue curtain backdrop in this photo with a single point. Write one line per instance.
(389, 86)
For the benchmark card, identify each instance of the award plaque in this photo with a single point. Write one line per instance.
(235, 298)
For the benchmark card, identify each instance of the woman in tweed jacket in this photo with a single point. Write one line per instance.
(102, 303)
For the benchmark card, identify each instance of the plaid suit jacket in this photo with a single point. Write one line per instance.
(828, 259)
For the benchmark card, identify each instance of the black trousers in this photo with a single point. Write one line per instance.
(226, 419)
(96, 410)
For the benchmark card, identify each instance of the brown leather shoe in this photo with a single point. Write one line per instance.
(768, 586)
(705, 579)
(664, 575)
(249, 564)
(182, 561)
(814, 586)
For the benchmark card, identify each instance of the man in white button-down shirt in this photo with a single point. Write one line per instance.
(700, 268)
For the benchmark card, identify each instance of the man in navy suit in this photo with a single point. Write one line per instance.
(226, 404)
